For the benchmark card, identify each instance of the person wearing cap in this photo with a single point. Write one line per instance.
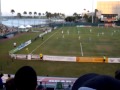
(1, 81)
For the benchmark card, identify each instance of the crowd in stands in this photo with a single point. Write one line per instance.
(26, 79)
(4, 29)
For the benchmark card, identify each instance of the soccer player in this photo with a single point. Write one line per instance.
(14, 44)
(41, 56)
(42, 37)
(104, 58)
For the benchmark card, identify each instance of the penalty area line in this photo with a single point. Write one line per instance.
(43, 42)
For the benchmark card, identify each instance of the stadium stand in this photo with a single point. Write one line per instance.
(26, 78)
(5, 30)
(93, 81)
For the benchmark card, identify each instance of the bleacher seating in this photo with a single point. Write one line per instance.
(5, 29)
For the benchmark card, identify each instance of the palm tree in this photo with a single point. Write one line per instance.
(19, 16)
(30, 13)
(12, 11)
(24, 16)
(85, 17)
(55, 15)
(43, 14)
(75, 14)
(46, 13)
(35, 13)
(39, 14)
(63, 16)
(88, 12)
(84, 9)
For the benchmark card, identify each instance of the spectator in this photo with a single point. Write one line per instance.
(10, 85)
(26, 78)
(117, 74)
(96, 82)
(40, 87)
(82, 79)
(69, 87)
(9, 77)
(59, 86)
(1, 82)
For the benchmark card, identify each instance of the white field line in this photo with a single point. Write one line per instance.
(81, 49)
(43, 42)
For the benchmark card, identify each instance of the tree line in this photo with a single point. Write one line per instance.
(47, 14)
(86, 17)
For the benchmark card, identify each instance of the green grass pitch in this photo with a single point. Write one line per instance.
(66, 41)
(94, 42)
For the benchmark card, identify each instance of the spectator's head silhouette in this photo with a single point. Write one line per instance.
(1, 75)
(40, 83)
(10, 85)
(93, 81)
(117, 74)
(26, 78)
(9, 75)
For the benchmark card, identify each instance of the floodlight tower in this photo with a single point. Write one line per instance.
(0, 14)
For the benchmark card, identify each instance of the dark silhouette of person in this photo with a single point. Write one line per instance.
(117, 74)
(82, 79)
(1, 82)
(40, 87)
(92, 81)
(26, 78)
(10, 85)
(69, 87)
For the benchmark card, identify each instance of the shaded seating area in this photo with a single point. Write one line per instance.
(5, 29)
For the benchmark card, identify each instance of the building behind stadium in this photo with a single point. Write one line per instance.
(108, 11)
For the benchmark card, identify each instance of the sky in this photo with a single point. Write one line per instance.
(67, 7)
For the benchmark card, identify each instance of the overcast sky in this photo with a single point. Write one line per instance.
(68, 7)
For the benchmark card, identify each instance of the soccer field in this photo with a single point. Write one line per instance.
(93, 43)
(78, 41)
